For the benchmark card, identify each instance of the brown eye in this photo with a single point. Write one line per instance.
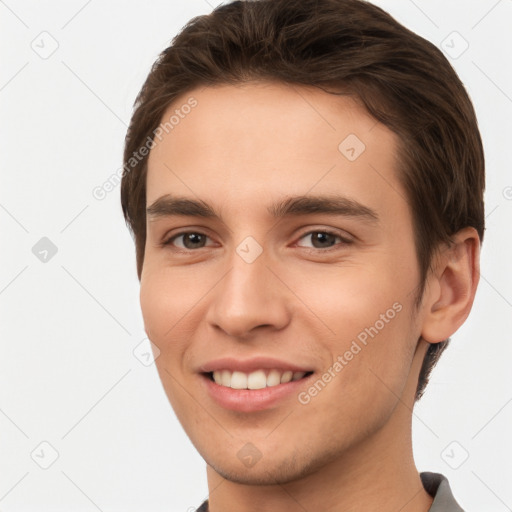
(189, 240)
(322, 239)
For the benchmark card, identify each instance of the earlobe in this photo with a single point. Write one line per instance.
(452, 286)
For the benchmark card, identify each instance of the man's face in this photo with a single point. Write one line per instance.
(271, 294)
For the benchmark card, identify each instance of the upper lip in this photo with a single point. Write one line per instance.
(250, 365)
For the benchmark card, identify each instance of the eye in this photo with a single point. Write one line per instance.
(189, 240)
(320, 239)
(323, 239)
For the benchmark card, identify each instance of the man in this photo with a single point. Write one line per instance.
(304, 182)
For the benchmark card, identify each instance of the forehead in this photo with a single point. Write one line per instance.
(238, 142)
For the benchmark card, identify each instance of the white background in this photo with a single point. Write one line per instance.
(69, 326)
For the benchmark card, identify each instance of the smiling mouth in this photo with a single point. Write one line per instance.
(258, 379)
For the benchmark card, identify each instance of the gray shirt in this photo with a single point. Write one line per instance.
(434, 483)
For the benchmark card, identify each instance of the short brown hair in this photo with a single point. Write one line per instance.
(343, 47)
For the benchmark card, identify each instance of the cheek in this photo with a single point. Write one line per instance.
(164, 303)
(387, 349)
(371, 360)
(152, 306)
(349, 299)
(366, 319)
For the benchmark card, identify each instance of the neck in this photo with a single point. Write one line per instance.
(377, 474)
(385, 479)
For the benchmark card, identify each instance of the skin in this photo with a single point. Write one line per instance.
(240, 149)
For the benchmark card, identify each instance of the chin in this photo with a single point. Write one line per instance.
(271, 470)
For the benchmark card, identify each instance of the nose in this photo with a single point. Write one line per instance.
(249, 298)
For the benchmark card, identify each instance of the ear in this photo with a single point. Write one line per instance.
(451, 287)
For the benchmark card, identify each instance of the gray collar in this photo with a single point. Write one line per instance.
(438, 487)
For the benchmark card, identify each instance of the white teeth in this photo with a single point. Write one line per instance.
(258, 379)
(273, 378)
(239, 380)
(217, 377)
(225, 378)
(286, 377)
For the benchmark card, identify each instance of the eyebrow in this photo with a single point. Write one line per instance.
(168, 206)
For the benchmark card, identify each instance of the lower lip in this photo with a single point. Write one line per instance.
(249, 400)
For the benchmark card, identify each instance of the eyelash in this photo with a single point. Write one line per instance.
(344, 241)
